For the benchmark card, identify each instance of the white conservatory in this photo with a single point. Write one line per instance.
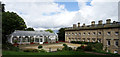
(27, 37)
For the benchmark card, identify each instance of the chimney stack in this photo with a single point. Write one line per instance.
(83, 25)
(108, 21)
(93, 23)
(74, 25)
(78, 24)
(114, 22)
(100, 22)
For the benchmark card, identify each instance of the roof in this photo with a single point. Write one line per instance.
(96, 26)
(32, 33)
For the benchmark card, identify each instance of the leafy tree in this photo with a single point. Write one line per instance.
(11, 22)
(29, 29)
(61, 34)
(49, 30)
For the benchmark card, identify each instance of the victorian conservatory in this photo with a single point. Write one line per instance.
(27, 37)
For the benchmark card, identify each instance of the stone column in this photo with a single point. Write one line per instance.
(22, 38)
(34, 38)
(42, 38)
(29, 39)
(39, 39)
(11, 39)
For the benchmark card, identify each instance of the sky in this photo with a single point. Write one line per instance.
(55, 14)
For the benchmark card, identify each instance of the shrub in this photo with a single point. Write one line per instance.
(81, 42)
(42, 50)
(40, 46)
(88, 48)
(58, 49)
(9, 46)
(35, 50)
(28, 50)
(79, 48)
(64, 45)
(69, 48)
(31, 50)
(98, 46)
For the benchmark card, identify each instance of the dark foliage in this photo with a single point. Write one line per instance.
(29, 29)
(88, 48)
(39, 46)
(66, 47)
(11, 22)
(31, 50)
(81, 42)
(61, 34)
(9, 46)
(49, 30)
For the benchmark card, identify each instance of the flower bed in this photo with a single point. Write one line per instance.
(32, 43)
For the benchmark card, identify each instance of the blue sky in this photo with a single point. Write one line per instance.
(70, 6)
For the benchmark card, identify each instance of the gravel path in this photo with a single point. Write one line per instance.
(46, 47)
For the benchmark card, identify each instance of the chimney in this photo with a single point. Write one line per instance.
(100, 22)
(83, 25)
(114, 22)
(78, 24)
(74, 26)
(108, 21)
(93, 23)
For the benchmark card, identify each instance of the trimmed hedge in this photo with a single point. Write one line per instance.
(81, 42)
(40, 46)
(31, 50)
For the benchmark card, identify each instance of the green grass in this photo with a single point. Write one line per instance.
(45, 53)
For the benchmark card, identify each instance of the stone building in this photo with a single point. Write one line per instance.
(108, 34)
(26, 37)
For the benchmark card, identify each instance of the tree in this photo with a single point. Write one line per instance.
(11, 22)
(49, 30)
(61, 34)
(29, 29)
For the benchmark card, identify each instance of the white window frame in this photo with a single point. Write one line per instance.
(108, 33)
(88, 33)
(75, 33)
(116, 33)
(99, 33)
(93, 33)
(84, 33)
(79, 33)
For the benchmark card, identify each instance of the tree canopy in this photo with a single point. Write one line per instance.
(11, 22)
(49, 30)
(61, 34)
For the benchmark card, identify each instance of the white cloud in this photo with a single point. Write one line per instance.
(49, 15)
(100, 10)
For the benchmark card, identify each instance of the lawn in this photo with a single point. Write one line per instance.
(45, 53)
(51, 54)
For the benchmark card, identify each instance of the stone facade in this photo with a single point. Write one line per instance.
(108, 34)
